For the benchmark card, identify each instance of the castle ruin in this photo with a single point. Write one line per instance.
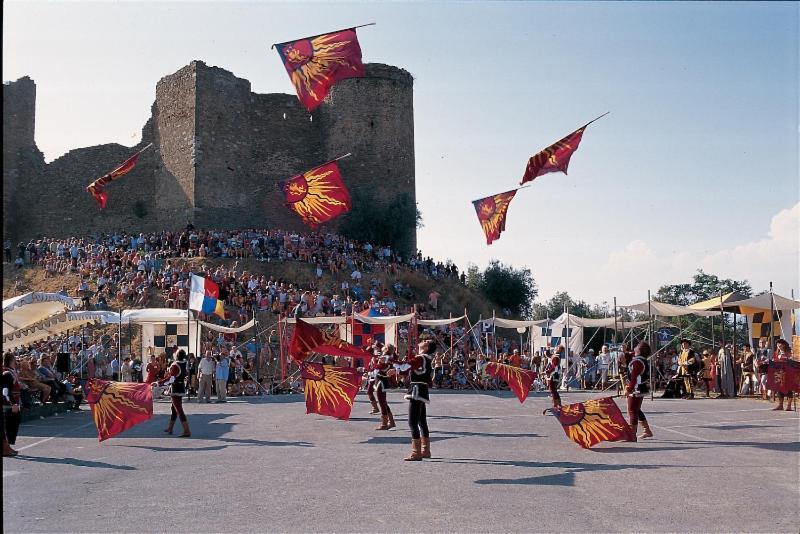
(219, 152)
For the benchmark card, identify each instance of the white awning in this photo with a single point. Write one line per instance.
(56, 325)
(606, 322)
(384, 319)
(439, 322)
(228, 330)
(764, 303)
(30, 308)
(510, 323)
(661, 309)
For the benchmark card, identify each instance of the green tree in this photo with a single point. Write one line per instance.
(555, 307)
(474, 277)
(372, 222)
(511, 289)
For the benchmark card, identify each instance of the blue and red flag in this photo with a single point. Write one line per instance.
(204, 297)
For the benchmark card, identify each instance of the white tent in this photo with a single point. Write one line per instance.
(55, 325)
(28, 309)
(661, 309)
(764, 302)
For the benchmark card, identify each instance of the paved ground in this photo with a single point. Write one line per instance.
(264, 465)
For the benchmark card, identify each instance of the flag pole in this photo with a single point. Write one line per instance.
(597, 119)
(771, 320)
(650, 339)
(326, 33)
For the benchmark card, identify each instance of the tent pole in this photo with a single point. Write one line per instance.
(771, 319)
(615, 321)
(650, 339)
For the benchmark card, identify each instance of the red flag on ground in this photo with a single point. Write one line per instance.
(783, 376)
(588, 423)
(518, 379)
(307, 338)
(555, 158)
(318, 195)
(315, 64)
(97, 188)
(492, 213)
(118, 406)
(329, 390)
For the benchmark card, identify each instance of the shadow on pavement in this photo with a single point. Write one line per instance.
(399, 439)
(74, 461)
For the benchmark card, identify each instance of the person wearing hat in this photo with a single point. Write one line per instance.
(687, 366)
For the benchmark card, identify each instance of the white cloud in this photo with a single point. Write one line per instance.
(635, 269)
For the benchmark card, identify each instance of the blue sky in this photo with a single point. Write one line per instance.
(696, 166)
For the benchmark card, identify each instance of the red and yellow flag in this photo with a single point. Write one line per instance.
(97, 188)
(555, 158)
(316, 63)
(588, 423)
(318, 195)
(518, 379)
(783, 376)
(329, 390)
(492, 213)
(118, 406)
(306, 339)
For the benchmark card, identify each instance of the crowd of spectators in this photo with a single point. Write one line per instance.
(134, 268)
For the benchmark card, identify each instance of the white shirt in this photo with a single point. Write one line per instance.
(206, 366)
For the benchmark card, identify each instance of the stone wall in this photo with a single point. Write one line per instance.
(219, 152)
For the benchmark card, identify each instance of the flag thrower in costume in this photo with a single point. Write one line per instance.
(492, 213)
(117, 406)
(318, 195)
(204, 297)
(519, 380)
(329, 390)
(307, 339)
(98, 188)
(555, 158)
(588, 423)
(315, 64)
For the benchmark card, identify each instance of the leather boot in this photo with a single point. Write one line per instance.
(416, 451)
(633, 433)
(790, 404)
(384, 423)
(374, 407)
(426, 447)
(7, 450)
(186, 433)
(779, 406)
(647, 432)
(171, 424)
(391, 420)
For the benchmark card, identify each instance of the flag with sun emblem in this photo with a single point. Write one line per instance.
(98, 188)
(518, 379)
(329, 390)
(783, 376)
(316, 63)
(306, 339)
(588, 423)
(318, 195)
(555, 158)
(492, 213)
(118, 406)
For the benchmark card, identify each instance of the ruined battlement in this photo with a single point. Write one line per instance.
(219, 151)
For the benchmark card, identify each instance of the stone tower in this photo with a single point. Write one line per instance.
(219, 152)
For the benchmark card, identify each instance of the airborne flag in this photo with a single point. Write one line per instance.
(518, 379)
(97, 188)
(555, 158)
(588, 423)
(315, 64)
(492, 213)
(307, 339)
(329, 390)
(318, 195)
(118, 406)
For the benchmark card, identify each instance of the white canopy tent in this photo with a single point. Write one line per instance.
(56, 325)
(661, 309)
(28, 309)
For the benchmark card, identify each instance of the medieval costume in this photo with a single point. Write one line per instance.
(381, 384)
(11, 404)
(370, 383)
(638, 385)
(420, 370)
(553, 373)
(687, 365)
(784, 353)
(176, 379)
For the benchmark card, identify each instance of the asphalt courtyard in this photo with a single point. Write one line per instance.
(261, 465)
